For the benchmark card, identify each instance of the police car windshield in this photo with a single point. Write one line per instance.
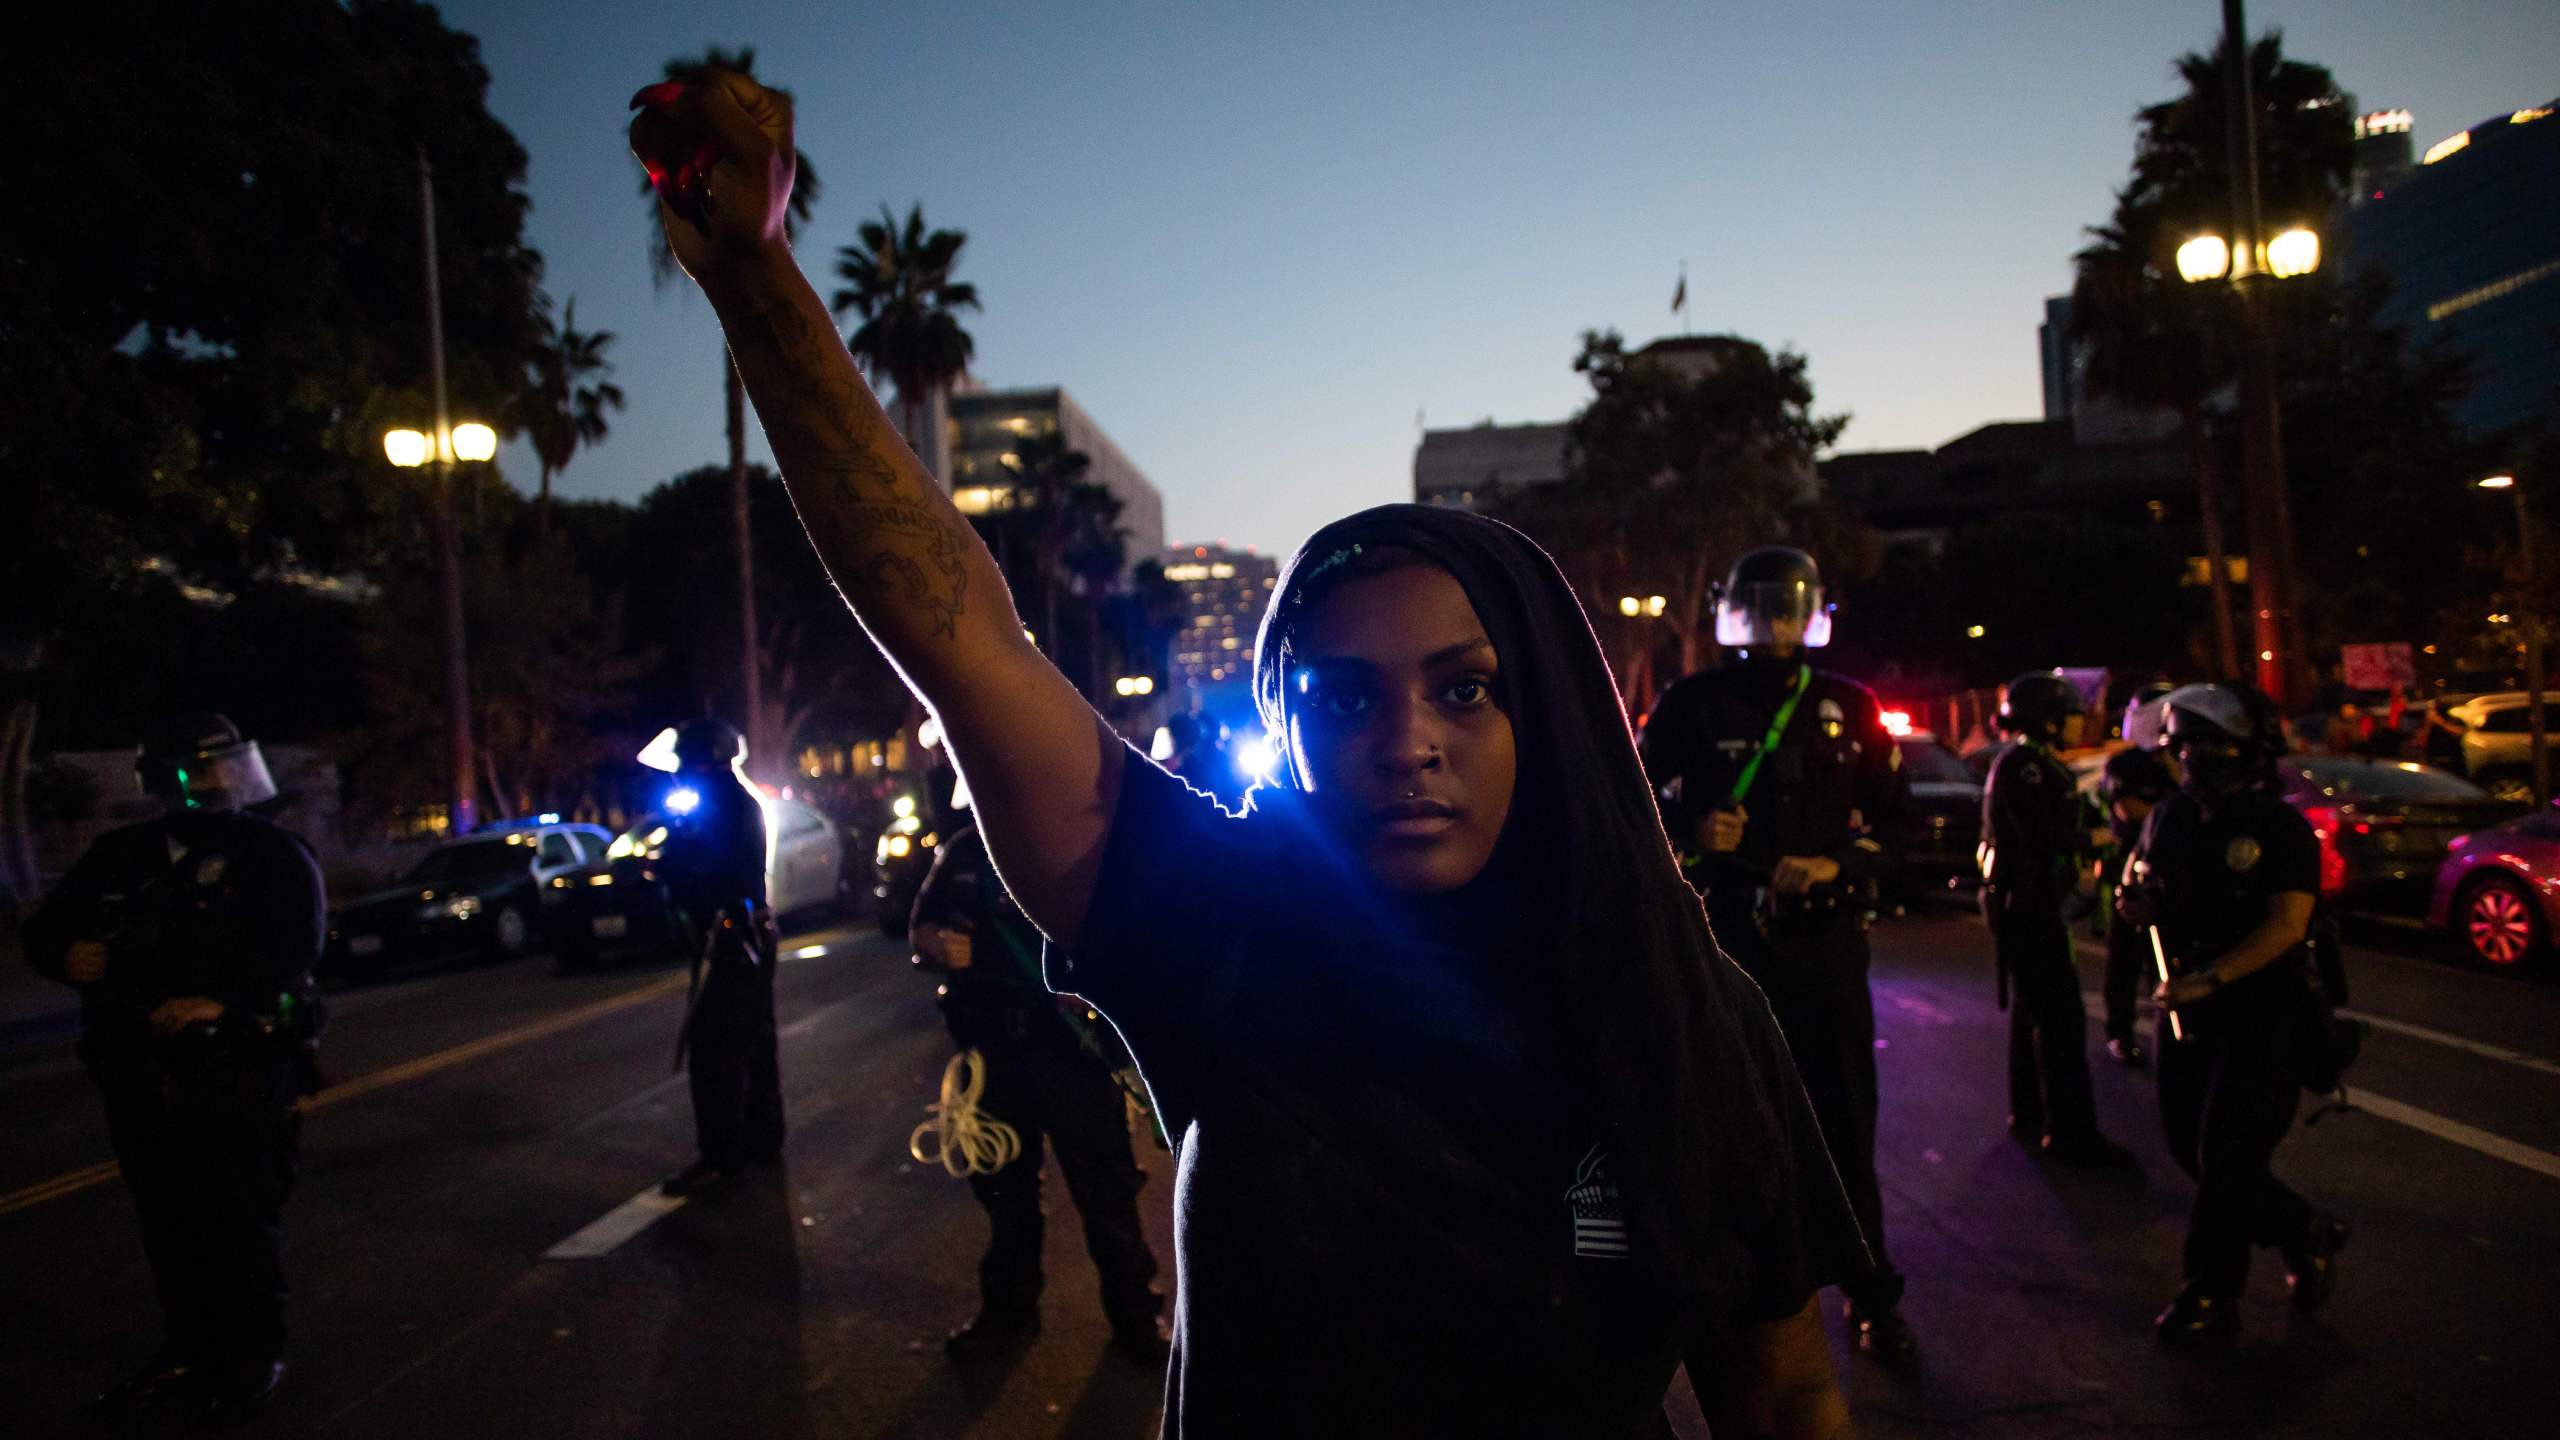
(2343, 778)
(473, 860)
(1929, 763)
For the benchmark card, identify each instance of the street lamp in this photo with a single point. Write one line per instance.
(2244, 257)
(2531, 615)
(410, 449)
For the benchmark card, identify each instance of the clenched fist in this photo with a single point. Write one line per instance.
(719, 153)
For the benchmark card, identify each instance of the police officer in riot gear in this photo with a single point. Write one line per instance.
(2035, 830)
(2136, 779)
(2230, 876)
(1777, 782)
(1051, 1073)
(191, 940)
(714, 865)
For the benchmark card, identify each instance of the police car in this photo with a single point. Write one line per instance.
(618, 900)
(480, 894)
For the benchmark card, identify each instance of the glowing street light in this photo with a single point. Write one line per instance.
(1630, 606)
(1655, 605)
(2295, 252)
(1128, 686)
(474, 441)
(2496, 482)
(2206, 257)
(406, 448)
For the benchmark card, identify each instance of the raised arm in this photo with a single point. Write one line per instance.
(1043, 768)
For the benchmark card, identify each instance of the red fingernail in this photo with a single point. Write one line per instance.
(660, 97)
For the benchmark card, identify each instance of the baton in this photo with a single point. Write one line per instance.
(2160, 959)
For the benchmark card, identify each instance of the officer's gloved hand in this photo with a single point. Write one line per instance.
(2136, 905)
(1721, 832)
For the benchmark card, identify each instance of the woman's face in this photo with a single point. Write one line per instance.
(1398, 731)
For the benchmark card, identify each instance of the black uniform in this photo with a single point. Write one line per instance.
(1831, 786)
(2229, 1090)
(228, 907)
(2140, 775)
(714, 864)
(2034, 824)
(1045, 1077)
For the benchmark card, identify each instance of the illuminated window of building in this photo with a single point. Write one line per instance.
(1229, 643)
(2159, 510)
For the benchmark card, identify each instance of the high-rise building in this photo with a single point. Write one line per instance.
(988, 428)
(2383, 154)
(2470, 237)
(1224, 593)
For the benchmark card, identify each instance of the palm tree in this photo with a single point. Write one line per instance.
(2153, 344)
(2182, 185)
(898, 279)
(566, 395)
(662, 263)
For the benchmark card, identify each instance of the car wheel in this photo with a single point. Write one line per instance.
(2500, 924)
(510, 932)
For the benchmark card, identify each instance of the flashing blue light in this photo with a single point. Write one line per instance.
(547, 817)
(683, 800)
(1257, 758)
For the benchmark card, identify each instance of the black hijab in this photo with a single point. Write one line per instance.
(1652, 1012)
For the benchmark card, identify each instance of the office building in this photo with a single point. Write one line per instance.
(2470, 238)
(988, 428)
(1224, 593)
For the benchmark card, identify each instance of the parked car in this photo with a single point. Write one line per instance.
(2498, 892)
(2385, 826)
(2497, 745)
(474, 894)
(619, 900)
(1937, 837)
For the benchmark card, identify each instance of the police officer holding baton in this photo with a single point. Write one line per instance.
(714, 864)
(2035, 829)
(191, 940)
(2230, 875)
(1776, 781)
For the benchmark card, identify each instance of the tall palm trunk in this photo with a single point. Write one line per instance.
(542, 507)
(2226, 646)
(750, 723)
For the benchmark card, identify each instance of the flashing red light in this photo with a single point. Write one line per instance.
(1897, 723)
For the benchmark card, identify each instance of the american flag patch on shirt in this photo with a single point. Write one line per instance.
(1599, 1221)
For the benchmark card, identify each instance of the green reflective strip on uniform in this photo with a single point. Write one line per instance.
(1769, 742)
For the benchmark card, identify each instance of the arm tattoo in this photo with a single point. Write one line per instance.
(883, 541)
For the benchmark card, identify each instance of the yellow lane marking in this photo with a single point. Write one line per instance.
(383, 1079)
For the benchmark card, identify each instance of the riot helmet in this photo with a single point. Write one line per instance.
(200, 761)
(2144, 721)
(709, 746)
(1772, 585)
(2227, 737)
(2036, 704)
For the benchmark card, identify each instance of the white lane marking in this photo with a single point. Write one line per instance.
(2439, 1037)
(618, 1225)
(2450, 1041)
(2469, 1137)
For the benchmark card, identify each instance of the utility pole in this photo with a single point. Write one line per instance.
(2275, 630)
(462, 786)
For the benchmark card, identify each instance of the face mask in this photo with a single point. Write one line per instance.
(2211, 770)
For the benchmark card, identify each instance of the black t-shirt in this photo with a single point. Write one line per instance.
(2218, 869)
(1394, 1216)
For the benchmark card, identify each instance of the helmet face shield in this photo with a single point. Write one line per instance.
(1747, 613)
(227, 777)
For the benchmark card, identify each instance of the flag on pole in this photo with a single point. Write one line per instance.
(1680, 293)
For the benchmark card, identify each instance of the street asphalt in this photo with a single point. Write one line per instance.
(472, 1253)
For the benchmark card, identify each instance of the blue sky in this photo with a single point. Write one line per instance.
(1257, 240)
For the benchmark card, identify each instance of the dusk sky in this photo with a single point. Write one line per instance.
(1257, 241)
